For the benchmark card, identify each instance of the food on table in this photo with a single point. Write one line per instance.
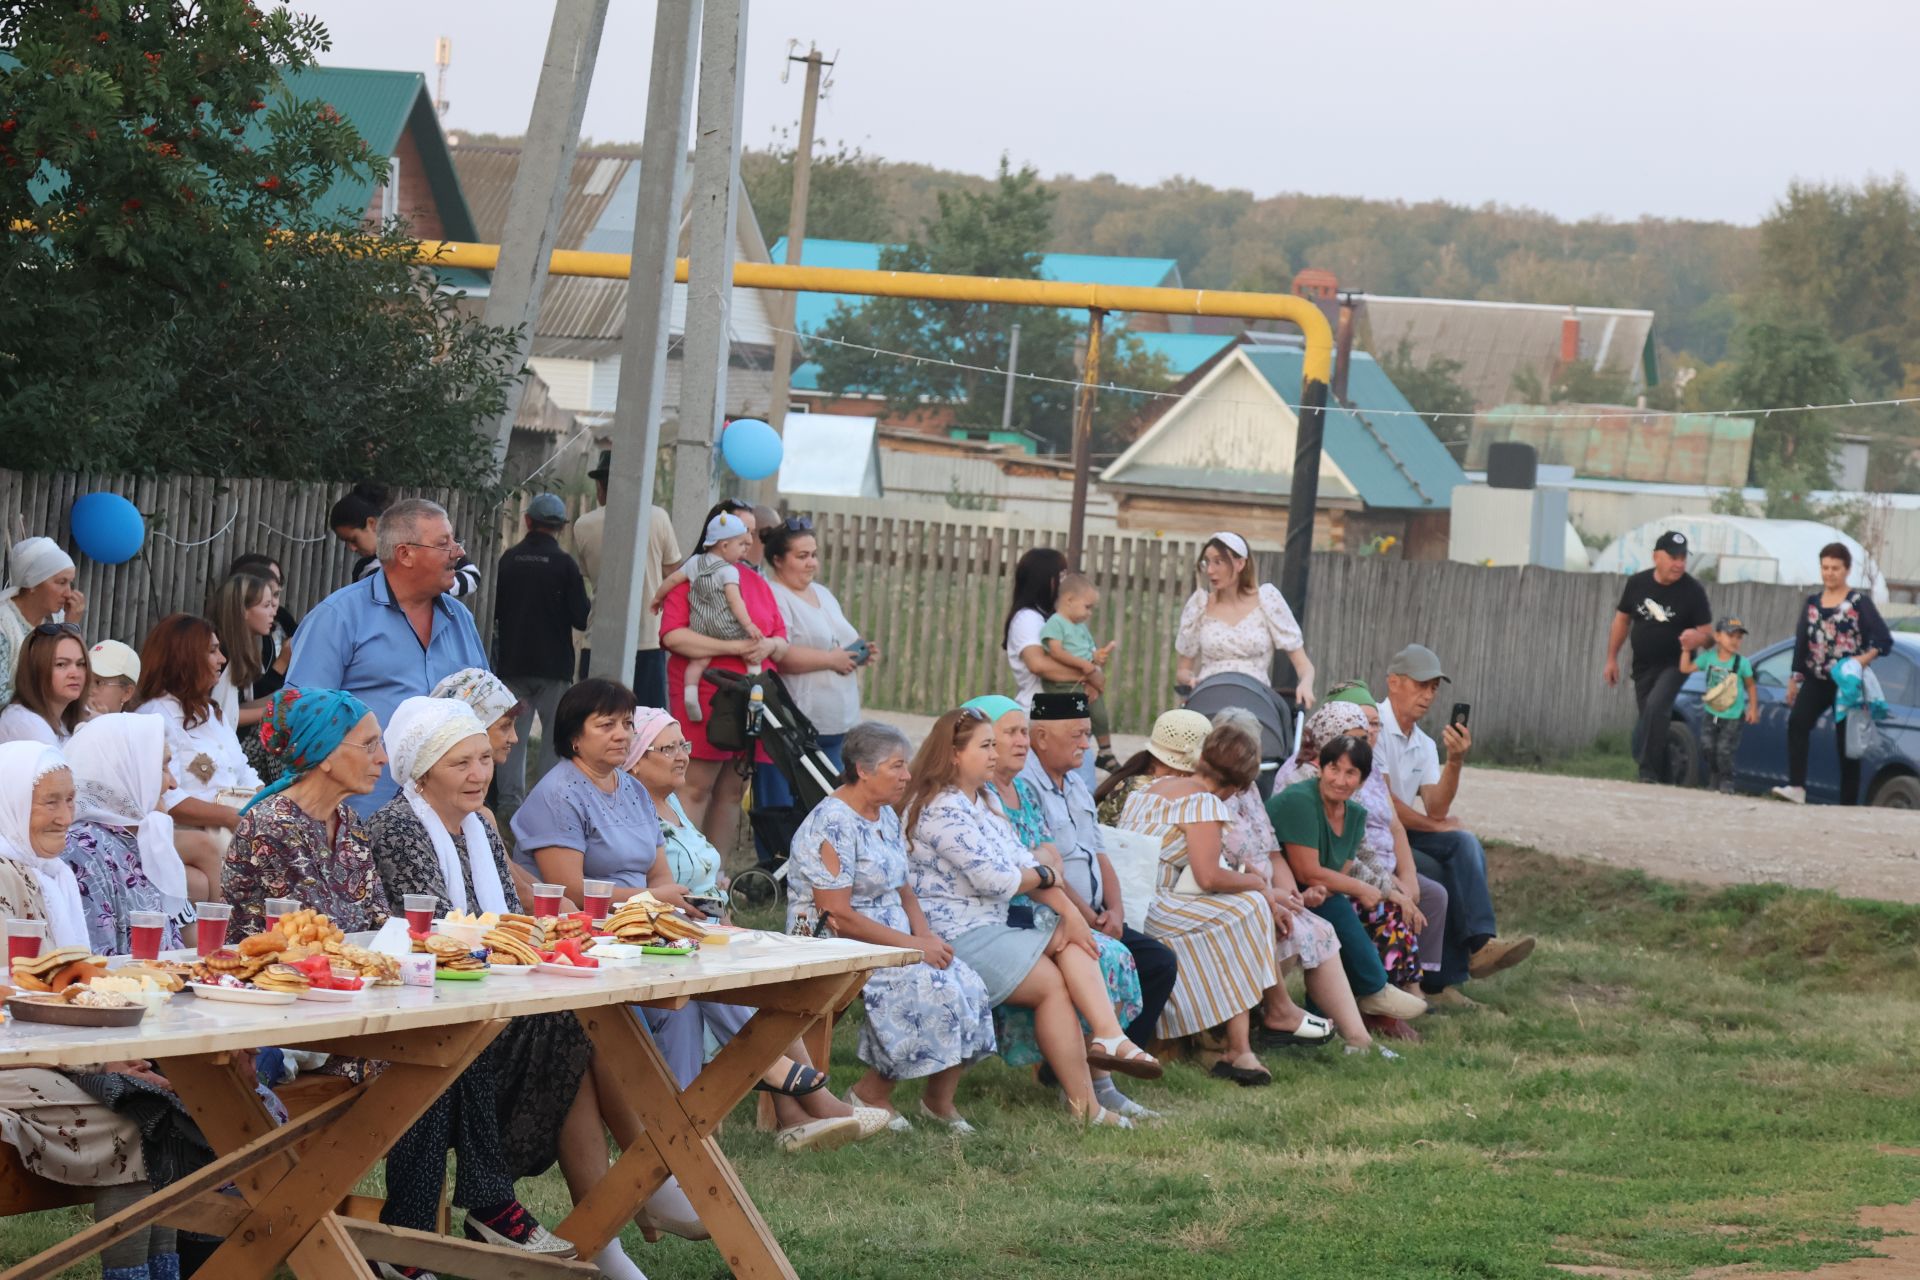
(262, 945)
(485, 920)
(166, 974)
(510, 948)
(282, 977)
(309, 928)
(379, 969)
(58, 969)
(88, 998)
(568, 951)
(141, 987)
(644, 919)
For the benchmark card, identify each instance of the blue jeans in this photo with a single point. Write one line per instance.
(772, 790)
(1457, 861)
(1358, 956)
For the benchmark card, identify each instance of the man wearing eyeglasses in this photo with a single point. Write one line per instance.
(397, 633)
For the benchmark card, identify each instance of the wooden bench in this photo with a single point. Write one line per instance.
(24, 1192)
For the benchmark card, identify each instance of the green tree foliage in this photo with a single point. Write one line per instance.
(845, 196)
(1002, 231)
(1433, 388)
(1785, 360)
(173, 296)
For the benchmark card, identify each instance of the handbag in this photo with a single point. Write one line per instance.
(1188, 885)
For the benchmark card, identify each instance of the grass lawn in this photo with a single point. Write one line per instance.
(1681, 1079)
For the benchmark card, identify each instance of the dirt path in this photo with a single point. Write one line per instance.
(1685, 835)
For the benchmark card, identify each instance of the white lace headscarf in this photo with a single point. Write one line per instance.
(480, 689)
(33, 561)
(22, 766)
(118, 766)
(419, 733)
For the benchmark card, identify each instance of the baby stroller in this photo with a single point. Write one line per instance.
(1235, 689)
(750, 711)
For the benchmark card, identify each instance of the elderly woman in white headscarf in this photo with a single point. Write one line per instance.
(39, 589)
(121, 843)
(431, 838)
(36, 808)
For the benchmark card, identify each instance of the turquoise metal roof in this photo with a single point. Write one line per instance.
(1184, 352)
(1393, 459)
(812, 309)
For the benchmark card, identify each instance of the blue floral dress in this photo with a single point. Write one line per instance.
(106, 863)
(1013, 1024)
(920, 1020)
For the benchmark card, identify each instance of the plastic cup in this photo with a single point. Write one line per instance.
(23, 940)
(597, 897)
(146, 930)
(274, 908)
(546, 899)
(419, 908)
(210, 930)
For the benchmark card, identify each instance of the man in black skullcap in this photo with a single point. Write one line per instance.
(1058, 727)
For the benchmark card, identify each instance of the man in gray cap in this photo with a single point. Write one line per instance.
(1443, 849)
(541, 600)
(1665, 610)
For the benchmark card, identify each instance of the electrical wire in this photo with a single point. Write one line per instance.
(1076, 383)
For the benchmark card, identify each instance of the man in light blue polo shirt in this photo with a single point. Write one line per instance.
(394, 634)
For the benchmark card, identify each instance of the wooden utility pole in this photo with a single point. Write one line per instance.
(786, 308)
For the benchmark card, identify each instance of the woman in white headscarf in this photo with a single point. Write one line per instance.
(39, 589)
(121, 844)
(36, 808)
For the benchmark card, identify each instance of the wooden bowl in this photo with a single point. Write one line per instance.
(73, 1015)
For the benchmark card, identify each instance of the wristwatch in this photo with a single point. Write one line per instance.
(1046, 875)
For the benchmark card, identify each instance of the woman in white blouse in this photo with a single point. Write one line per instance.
(50, 688)
(822, 669)
(1236, 623)
(180, 669)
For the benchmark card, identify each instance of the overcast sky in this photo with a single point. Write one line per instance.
(1681, 108)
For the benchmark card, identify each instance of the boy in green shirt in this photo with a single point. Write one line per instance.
(1731, 699)
(1068, 640)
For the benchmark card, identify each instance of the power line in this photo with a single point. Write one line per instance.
(1076, 383)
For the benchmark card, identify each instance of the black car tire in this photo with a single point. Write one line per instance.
(1902, 792)
(1683, 756)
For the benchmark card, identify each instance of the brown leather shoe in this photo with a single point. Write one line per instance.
(1391, 1028)
(1450, 1000)
(1498, 954)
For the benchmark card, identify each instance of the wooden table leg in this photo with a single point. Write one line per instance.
(292, 1218)
(679, 1125)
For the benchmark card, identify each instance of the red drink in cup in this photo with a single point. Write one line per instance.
(597, 897)
(546, 899)
(23, 940)
(210, 930)
(274, 908)
(146, 929)
(419, 908)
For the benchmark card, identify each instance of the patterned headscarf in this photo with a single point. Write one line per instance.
(1331, 720)
(480, 689)
(302, 728)
(22, 766)
(648, 724)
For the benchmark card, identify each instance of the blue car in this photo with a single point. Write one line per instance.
(1890, 774)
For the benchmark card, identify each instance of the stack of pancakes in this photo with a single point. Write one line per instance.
(381, 970)
(282, 977)
(450, 954)
(644, 919)
(510, 946)
(58, 969)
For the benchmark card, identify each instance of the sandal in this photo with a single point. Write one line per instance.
(1117, 1053)
(1245, 1077)
(801, 1080)
(1106, 762)
(1312, 1031)
(1101, 1118)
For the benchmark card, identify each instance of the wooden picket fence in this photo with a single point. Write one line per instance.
(1523, 645)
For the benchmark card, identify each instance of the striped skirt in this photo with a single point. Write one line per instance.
(1225, 945)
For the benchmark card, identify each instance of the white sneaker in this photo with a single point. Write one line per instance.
(896, 1123)
(872, 1119)
(1792, 795)
(819, 1135)
(539, 1239)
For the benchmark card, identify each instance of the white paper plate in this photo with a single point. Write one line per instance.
(568, 970)
(330, 996)
(511, 970)
(240, 995)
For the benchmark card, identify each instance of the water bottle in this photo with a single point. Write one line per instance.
(756, 709)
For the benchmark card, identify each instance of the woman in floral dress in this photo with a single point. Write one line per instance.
(849, 868)
(121, 844)
(1236, 623)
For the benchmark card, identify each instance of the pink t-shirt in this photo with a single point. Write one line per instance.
(674, 614)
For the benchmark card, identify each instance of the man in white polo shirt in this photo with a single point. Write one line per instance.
(1443, 849)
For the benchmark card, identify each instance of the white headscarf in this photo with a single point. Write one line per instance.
(480, 689)
(420, 731)
(22, 766)
(118, 766)
(33, 561)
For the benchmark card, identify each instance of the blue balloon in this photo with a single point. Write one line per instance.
(751, 448)
(107, 527)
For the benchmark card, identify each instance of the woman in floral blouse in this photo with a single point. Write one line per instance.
(121, 844)
(967, 865)
(1836, 623)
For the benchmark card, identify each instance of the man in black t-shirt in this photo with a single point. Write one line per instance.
(1665, 610)
(540, 600)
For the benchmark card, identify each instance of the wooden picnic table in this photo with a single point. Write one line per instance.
(292, 1177)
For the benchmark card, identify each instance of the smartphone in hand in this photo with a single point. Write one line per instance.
(1461, 710)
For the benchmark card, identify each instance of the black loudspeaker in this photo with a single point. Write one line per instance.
(1510, 466)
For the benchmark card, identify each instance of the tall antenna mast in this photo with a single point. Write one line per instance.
(442, 58)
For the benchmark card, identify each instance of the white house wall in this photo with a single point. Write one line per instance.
(569, 382)
(1233, 423)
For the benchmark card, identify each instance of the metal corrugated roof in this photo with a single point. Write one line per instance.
(1495, 341)
(1613, 443)
(813, 309)
(1185, 352)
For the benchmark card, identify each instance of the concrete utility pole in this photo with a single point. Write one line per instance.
(540, 192)
(643, 346)
(788, 304)
(1083, 441)
(715, 201)
(1013, 375)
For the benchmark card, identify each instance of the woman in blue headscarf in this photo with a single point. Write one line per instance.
(298, 838)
